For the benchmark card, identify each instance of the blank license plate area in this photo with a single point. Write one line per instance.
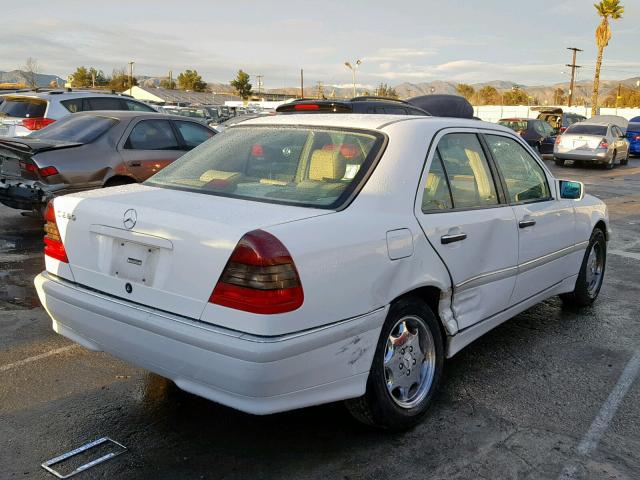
(133, 261)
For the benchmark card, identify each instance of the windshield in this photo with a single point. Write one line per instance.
(80, 129)
(23, 107)
(581, 129)
(517, 125)
(633, 127)
(307, 166)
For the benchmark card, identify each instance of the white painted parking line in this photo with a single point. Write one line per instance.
(19, 363)
(600, 424)
(622, 253)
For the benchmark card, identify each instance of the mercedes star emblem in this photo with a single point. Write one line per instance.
(130, 218)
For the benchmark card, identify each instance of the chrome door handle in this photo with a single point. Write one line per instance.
(526, 223)
(456, 237)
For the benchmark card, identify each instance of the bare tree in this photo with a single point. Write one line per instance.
(31, 70)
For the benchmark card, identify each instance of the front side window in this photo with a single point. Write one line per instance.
(193, 134)
(137, 106)
(525, 180)
(467, 169)
(308, 166)
(152, 135)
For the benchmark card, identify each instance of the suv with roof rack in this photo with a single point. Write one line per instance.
(367, 104)
(23, 113)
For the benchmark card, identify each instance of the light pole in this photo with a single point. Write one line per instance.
(353, 69)
(131, 77)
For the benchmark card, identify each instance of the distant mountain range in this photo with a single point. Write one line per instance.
(18, 76)
(542, 93)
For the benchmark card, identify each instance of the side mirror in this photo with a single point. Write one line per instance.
(571, 190)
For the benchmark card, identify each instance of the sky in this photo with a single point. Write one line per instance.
(404, 41)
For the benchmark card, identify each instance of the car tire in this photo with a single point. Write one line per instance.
(612, 163)
(591, 273)
(388, 403)
(559, 161)
(625, 160)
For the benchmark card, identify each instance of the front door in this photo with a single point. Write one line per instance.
(469, 225)
(546, 253)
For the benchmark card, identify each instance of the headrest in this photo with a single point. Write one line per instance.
(327, 165)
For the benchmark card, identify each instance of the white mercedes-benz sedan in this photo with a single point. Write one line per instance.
(301, 259)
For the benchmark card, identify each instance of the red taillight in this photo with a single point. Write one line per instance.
(604, 143)
(636, 138)
(44, 172)
(260, 277)
(563, 129)
(307, 106)
(53, 246)
(36, 123)
(558, 140)
(48, 171)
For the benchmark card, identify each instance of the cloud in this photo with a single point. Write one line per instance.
(399, 54)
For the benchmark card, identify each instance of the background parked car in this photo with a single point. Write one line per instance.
(23, 113)
(557, 118)
(633, 137)
(536, 133)
(593, 142)
(92, 150)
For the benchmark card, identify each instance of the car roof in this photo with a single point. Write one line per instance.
(125, 114)
(368, 121)
(50, 95)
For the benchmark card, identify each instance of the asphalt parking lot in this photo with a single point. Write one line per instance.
(534, 399)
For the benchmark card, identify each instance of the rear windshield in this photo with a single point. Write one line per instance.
(577, 129)
(23, 107)
(517, 125)
(306, 166)
(633, 127)
(76, 128)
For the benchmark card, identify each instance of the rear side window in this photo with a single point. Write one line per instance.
(307, 166)
(103, 103)
(73, 105)
(587, 130)
(525, 180)
(192, 133)
(23, 107)
(633, 127)
(516, 125)
(72, 128)
(437, 195)
(467, 170)
(152, 135)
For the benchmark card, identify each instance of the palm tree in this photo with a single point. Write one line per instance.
(606, 9)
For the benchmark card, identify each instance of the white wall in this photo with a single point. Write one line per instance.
(493, 113)
(263, 104)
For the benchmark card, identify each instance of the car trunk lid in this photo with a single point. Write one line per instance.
(580, 142)
(17, 157)
(159, 247)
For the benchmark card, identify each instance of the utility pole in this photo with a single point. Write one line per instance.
(573, 72)
(131, 77)
(259, 77)
(301, 83)
(618, 96)
(170, 79)
(320, 93)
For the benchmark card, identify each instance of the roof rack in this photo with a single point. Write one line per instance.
(366, 98)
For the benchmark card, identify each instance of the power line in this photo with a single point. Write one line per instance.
(573, 72)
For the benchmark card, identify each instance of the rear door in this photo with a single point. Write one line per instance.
(546, 225)
(463, 214)
(148, 147)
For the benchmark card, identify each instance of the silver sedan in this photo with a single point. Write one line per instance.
(601, 143)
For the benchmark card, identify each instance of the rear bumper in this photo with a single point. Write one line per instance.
(27, 194)
(258, 375)
(583, 156)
